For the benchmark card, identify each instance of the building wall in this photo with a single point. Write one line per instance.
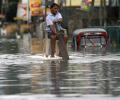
(79, 2)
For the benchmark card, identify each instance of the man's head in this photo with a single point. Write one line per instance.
(54, 8)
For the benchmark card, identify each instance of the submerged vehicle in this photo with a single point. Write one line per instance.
(89, 37)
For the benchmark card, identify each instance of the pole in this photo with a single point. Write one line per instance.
(70, 3)
(28, 11)
(3, 4)
(0, 6)
(104, 7)
(100, 12)
(46, 1)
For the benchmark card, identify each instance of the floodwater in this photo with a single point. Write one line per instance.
(32, 77)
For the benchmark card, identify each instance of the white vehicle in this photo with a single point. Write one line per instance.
(88, 37)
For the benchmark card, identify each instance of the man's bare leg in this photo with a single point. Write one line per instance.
(47, 47)
(57, 49)
(53, 45)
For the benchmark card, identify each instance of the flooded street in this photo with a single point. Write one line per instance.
(35, 77)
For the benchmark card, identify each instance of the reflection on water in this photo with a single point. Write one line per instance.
(8, 46)
(57, 76)
(61, 78)
(82, 74)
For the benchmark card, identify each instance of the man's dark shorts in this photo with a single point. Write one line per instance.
(50, 34)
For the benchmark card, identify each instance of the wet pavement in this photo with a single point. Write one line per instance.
(91, 75)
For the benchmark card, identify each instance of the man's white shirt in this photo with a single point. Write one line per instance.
(52, 18)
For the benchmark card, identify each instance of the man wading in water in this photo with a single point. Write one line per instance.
(55, 31)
